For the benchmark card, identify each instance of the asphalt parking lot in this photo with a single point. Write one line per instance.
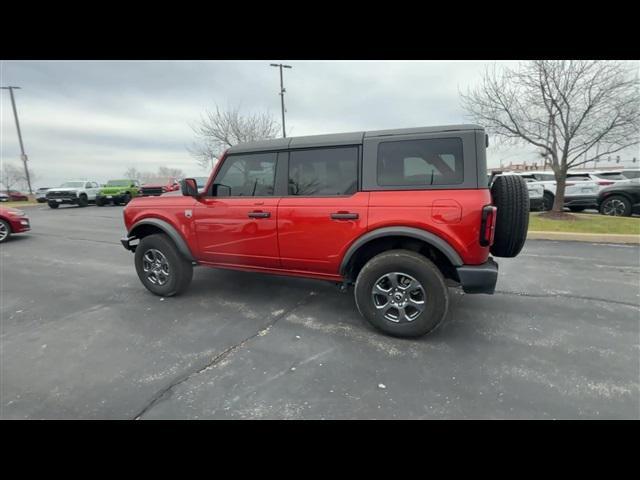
(82, 338)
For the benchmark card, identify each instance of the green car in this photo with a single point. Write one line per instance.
(118, 192)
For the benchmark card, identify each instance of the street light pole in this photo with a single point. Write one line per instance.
(23, 155)
(282, 90)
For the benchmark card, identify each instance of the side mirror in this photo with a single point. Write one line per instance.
(189, 187)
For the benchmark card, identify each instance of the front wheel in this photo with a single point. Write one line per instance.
(160, 267)
(83, 201)
(616, 206)
(5, 231)
(53, 205)
(547, 202)
(402, 293)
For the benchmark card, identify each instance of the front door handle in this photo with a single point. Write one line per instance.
(344, 216)
(259, 214)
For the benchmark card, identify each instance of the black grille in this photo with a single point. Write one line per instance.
(152, 191)
(51, 194)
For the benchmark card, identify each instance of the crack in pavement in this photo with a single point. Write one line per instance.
(158, 397)
(564, 295)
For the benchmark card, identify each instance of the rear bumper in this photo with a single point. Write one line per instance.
(479, 278)
(581, 201)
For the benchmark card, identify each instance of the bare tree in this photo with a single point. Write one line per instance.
(170, 172)
(220, 129)
(12, 176)
(132, 173)
(574, 112)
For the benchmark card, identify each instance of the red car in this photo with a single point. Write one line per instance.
(12, 196)
(158, 186)
(12, 221)
(397, 214)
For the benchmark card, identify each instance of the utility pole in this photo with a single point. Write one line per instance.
(282, 90)
(23, 155)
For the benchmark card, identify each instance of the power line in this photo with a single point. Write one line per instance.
(282, 90)
(23, 155)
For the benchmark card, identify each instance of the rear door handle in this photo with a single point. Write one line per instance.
(344, 216)
(259, 214)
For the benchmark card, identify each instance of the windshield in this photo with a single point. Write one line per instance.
(72, 185)
(160, 181)
(118, 183)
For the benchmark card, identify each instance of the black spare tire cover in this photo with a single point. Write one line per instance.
(511, 197)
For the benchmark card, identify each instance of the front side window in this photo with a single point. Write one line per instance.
(610, 176)
(323, 171)
(420, 162)
(248, 175)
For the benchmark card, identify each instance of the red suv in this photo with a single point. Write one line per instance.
(398, 214)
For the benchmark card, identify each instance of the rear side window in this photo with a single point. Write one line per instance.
(545, 177)
(579, 178)
(420, 162)
(323, 171)
(250, 175)
(611, 176)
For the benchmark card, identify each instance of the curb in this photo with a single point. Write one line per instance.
(585, 237)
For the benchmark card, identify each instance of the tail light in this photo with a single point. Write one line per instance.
(488, 225)
(605, 182)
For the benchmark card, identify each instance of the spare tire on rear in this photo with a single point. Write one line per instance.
(511, 197)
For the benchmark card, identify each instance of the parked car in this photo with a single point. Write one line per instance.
(603, 179)
(12, 221)
(621, 199)
(158, 186)
(74, 192)
(13, 196)
(41, 194)
(118, 192)
(631, 173)
(580, 191)
(394, 213)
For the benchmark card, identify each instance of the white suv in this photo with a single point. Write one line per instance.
(580, 192)
(602, 179)
(75, 192)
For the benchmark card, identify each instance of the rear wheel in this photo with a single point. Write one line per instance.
(53, 205)
(160, 267)
(402, 293)
(99, 202)
(511, 197)
(617, 206)
(547, 202)
(5, 231)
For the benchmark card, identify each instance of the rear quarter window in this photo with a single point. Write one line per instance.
(420, 163)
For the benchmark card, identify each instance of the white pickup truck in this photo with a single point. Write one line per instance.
(74, 192)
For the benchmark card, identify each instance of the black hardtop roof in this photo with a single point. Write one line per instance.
(350, 138)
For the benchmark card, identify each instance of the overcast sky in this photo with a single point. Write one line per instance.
(93, 120)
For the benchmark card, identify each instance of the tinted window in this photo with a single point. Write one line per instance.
(420, 162)
(545, 177)
(579, 178)
(323, 171)
(611, 176)
(632, 174)
(247, 175)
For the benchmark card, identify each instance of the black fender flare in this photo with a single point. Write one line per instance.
(170, 230)
(410, 232)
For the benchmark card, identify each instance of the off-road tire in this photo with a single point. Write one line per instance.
(53, 204)
(125, 199)
(511, 197)
(180, 269)
(436, 298)
(83, 201)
